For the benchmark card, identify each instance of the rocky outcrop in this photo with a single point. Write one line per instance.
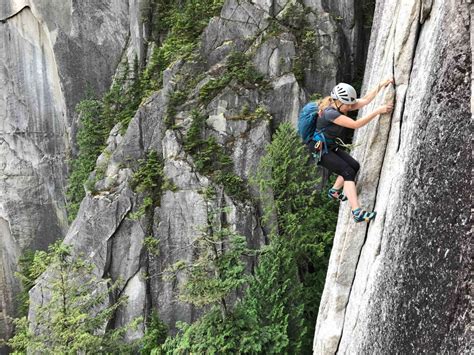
(51, 53)
(401, 284)
(107, 229)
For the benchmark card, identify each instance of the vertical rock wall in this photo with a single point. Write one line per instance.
(401, 284)
(33, 144)
(51, 53)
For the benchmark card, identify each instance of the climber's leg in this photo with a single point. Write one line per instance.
(358, 213)
(335, 192)
(337, 165)
(339, 183)
(354, 164)
(351, 193)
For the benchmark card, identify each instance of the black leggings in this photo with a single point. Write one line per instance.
(338, 161)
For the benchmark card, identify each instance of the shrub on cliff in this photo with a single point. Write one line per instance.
(96, 119)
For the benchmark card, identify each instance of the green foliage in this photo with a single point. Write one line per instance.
(210, 158)
(177, 98)
(315, 96)
(176, 27)
(294, 15)
(152, 245)
(274, 300)
(148, 179)
(124, 97)
(277, 312)
(260, 113)
(212, 334)
(274, 28)
(301, 218)
(269, 320)
(155, 335)
(73, 314)
(149, 175)
(307, 44)
(213, 87)
(97, 118)
(90, 140)
(156, 15)
(240, 69)
(141, 211)
(218, 269)
(31, 265)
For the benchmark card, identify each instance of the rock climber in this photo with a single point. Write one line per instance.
(330, 126)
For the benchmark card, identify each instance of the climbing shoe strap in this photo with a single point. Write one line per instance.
(360, 215)
(337, 194)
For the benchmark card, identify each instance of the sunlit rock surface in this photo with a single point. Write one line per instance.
(401, 285)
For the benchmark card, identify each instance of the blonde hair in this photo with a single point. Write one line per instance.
(327, 101)
(324, 103)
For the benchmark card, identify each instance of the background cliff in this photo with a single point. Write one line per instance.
(57, 54)
(403, 283)
(52, 54)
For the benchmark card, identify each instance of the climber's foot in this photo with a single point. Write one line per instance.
(336, 194)
(360, 215)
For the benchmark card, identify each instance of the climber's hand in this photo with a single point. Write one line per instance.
(385, 83)
(385, 109)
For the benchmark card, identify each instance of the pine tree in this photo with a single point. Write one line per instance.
(302, 223)
(278, 310)
(73, 318)
(273, 302)
(218, 269)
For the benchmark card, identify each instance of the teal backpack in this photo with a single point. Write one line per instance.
(307, 121)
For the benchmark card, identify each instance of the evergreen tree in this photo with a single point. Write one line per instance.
(73, 318)
(273, 302)
(156, 334)
(278, 310)
(216, 273)
(218, 269)
(302, 223)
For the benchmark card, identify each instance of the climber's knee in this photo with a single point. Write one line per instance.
(349, 174)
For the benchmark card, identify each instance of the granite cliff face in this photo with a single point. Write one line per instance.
(51, 54)
(402, 283)
(68, 48)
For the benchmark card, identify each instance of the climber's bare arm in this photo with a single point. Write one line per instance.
(370, 95)
(347, 122)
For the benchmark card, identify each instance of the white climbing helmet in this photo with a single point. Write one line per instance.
(344, 93)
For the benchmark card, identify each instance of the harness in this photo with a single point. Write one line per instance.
(321, 145)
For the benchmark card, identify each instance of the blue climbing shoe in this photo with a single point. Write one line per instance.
(336, 194)
(360, 215)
